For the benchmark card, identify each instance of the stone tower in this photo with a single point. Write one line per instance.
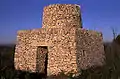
(60, 45)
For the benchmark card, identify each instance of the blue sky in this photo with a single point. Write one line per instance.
(99, 15)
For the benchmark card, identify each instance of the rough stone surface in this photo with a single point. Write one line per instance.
(69, 47)
(61, 15)
(90, 49)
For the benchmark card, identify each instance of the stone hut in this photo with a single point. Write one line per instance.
(61, 45)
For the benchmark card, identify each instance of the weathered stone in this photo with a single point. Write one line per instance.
(61, 44)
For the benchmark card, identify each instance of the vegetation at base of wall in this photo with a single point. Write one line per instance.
(111, 70)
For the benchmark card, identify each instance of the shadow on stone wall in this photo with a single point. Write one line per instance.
(110, 70)
(7, 66)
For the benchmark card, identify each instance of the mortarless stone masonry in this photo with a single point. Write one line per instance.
(61, 42)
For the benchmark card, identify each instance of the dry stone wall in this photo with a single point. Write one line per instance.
(61, 50)
(61, 15)
(69, 47)
(61, 56)
(90, 49)
(25, 53)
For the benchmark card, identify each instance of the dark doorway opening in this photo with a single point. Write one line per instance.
(42, 60)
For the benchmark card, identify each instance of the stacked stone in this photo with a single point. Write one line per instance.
(61, 56)
(61, 48)
(61, 15)
(25, 53)
(90, 49)
(26, 56)
(65, 17)
(70, 48)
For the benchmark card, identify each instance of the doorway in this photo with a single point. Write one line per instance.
(42, 59)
